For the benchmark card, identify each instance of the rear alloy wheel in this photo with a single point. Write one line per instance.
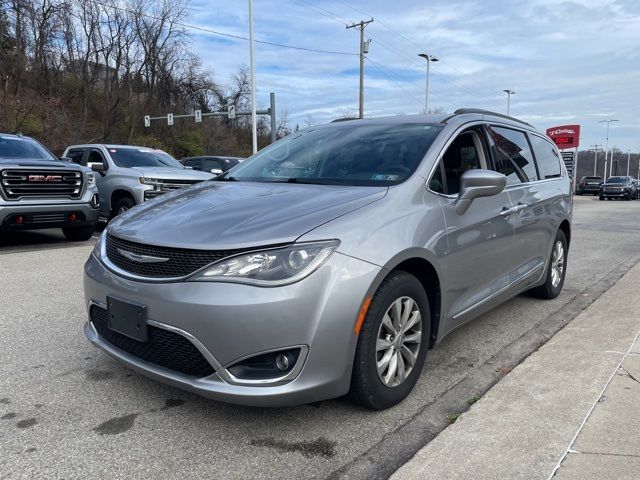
(556, 270)
(392, 344)
(79, 234)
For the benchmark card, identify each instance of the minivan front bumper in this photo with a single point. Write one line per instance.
(228, 322)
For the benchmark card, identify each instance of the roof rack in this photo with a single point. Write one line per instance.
(344, 119)
(461, 111)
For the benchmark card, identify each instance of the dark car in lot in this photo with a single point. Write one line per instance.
(619, 187)
(211, 164)
(588, 186)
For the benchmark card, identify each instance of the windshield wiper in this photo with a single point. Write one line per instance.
(224, 178)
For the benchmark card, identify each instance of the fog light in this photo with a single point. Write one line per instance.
(282, 362)
(19, 220)
(73, 217)
(266, 366)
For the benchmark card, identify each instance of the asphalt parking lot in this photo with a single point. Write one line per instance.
(69, 411)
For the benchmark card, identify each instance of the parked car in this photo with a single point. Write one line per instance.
(619, 187)
(332, 260)
(38, 190)
(128, 175)
(588, 185)
(215, 165)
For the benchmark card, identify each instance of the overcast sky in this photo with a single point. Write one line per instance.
(568, 62)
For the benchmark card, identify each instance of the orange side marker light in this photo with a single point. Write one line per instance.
(363, 313)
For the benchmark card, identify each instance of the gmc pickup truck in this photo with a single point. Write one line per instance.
(38, 190)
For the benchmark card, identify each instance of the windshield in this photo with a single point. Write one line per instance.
(373, 154)
(143, 157)
(618, 180)
(13, 147)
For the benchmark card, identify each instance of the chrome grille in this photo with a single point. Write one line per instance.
(25, 183)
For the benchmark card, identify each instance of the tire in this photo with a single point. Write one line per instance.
(79, 234)
(552, 286)
(122, 206)
(368, 387)
(601, 197)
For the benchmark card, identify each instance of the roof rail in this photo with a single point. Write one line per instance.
(344, 119)
(461, 111)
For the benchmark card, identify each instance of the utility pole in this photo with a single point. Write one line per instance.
(628, 160)
(429, 58)
(595, 159)
(254, 127)
(361, 26)
(509, 93)
(606, 148)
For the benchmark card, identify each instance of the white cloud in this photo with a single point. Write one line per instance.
(568, 61)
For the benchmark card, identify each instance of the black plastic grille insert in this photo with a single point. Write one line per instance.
(164, 348)
(182, 261)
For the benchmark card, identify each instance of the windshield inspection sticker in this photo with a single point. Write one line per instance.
(387, 178)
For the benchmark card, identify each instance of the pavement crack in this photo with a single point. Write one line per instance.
(630, 376)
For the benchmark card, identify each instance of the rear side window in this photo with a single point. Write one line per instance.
(547, 158)
(513, 155)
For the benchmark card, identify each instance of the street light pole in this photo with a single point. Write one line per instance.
(254, 127)
(595, 159)
(429, 58)
(509, 93)
(628, 160)
(606, 148)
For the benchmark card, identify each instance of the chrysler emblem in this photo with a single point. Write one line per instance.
(136, 257)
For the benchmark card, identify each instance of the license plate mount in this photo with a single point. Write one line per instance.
(128, 318)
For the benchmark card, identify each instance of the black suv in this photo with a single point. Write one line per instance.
(588, 185)
(619, 187)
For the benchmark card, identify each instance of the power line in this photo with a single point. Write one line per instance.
(398, 52)
(383, 70)
(228, 35)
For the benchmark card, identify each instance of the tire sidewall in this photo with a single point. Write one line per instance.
(380, 395)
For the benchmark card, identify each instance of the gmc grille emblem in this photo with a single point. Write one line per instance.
(136, 257)
(45, 178)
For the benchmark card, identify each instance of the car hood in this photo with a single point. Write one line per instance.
(228, 215)
(167, 173)
(25, 162)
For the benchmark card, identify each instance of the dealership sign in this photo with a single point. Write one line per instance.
(565, 136)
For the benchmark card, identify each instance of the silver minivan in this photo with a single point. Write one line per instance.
(331, 261)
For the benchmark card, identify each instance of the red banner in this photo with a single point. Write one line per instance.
(565, 136)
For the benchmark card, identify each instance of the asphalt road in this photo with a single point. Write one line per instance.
(69, 411)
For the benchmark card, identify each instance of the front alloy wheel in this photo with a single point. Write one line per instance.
(398, 344)
(392, 343)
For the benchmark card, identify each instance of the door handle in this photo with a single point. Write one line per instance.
(505, 212)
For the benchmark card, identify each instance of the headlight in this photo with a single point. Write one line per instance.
(91, 179)
(270, 268)
(149, 181)
(97, 249)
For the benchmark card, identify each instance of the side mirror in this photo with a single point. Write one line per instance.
(216, 171)
(65, 159)
(478, 183)
(96, 166)
(188, 167)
